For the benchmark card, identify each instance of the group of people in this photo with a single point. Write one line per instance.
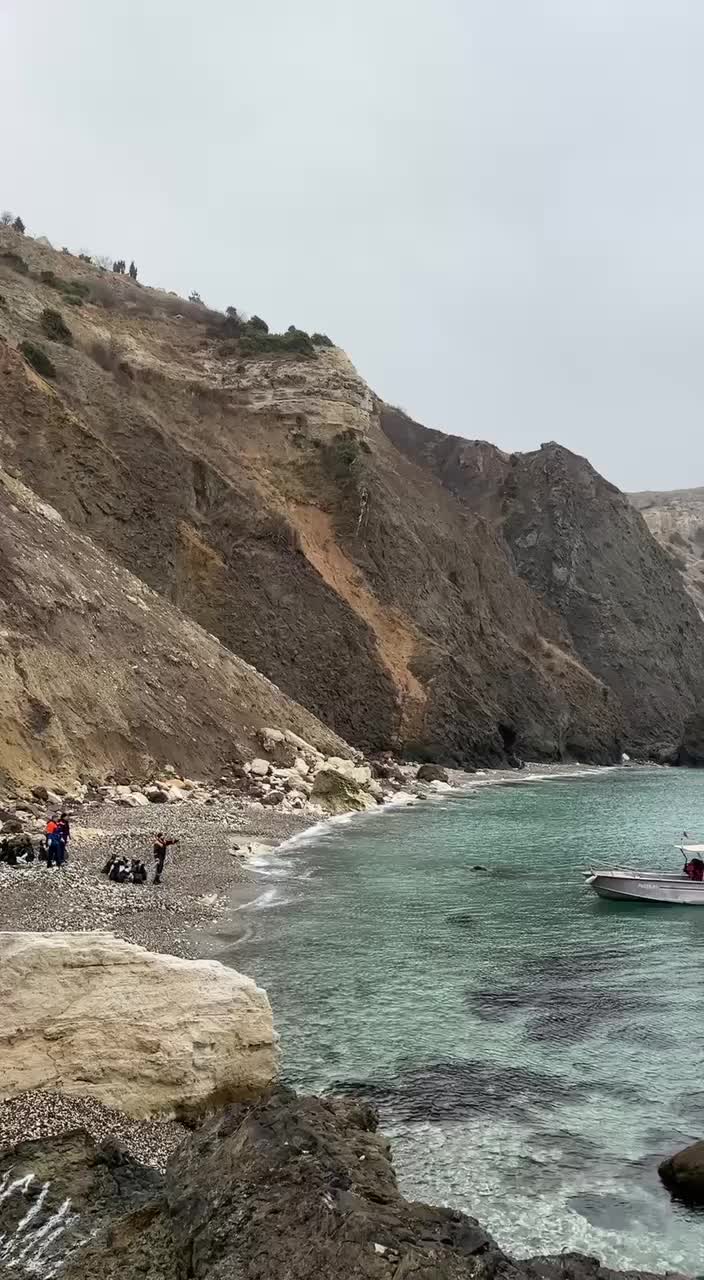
(18, 850)
(123, 870)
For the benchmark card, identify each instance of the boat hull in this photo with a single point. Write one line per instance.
(664, 889)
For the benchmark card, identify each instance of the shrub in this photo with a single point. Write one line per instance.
(194, 296)
(85, 257)
(55, 326)
(257, 323)
(39, 360)
(232, 313)
(104, 261)
(18, 225)
(74, 291)
(293, 342)
(102, 294)
(14, 262)
(321, 340)
(5, 217)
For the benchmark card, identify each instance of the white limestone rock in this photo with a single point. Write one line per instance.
(91, 1014)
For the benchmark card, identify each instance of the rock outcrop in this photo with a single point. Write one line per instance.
(683, 1173)
(91, 1014)
(676, 519)
(580, 545)
(289, 1189)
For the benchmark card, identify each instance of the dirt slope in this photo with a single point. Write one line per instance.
(578, 542)
(262, 497)
(676, 519)
(99, 674)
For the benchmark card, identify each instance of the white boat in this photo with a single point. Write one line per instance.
(673, 887)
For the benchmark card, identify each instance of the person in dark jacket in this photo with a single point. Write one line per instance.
(161, 844)
(138, 874)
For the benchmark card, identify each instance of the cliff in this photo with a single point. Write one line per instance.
(99, 674)
(263, 494)
(583, 549)
(676, 519)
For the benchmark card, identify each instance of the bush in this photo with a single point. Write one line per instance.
(257, 323)
(14, 262)
(85, 257)
(18, 225)
(321, 340)
(39, 360)
(194, 296)
(5, 218)
(55, 326)
(74, 291)
(102, 294)
(293, 342)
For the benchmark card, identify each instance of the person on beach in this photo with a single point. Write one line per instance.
(65, 830)
(56, 847)
(138, 873)
(161, 844)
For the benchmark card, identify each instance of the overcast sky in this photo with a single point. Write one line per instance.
(495, 206)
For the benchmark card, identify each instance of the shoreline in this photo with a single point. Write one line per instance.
(222, 845)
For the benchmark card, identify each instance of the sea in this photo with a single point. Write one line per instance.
(534, 1051)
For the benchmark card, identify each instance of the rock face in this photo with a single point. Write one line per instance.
(266, 498)
(91, 1014)
(578, 542)
(683, 1173)
(99, 674)
(289, 1189)
(676, 519)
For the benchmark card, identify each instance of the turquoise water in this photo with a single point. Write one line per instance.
(534, 1051)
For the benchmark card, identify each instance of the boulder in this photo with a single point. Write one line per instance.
(432, 773)
(276, 746)
(683, 1173)
(176, 795)
(40, 793)
(273, 797)
(155, 794)
(260, 768)
(10, 826)
(338, 792)
(146, 1033)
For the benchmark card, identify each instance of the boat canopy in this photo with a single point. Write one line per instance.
(691, 848)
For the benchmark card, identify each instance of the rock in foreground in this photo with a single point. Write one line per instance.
(683, 1173)
(287, 1189)
(145, 1033)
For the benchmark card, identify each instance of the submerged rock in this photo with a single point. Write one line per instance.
(91, 1014)
(683, 1173)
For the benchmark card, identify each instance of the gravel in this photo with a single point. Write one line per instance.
(40, 1113)
(199, 872)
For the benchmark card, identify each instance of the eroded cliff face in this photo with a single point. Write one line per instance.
(268, 501)
(676, 519)
(580, 545)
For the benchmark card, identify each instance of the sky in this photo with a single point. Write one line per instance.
(495, 206)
